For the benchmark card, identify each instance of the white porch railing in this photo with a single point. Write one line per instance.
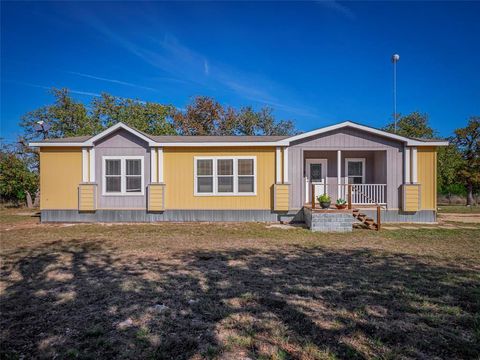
(361, 194)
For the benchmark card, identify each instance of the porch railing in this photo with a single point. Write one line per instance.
(357, 194)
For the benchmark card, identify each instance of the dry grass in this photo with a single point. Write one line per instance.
(236, 290)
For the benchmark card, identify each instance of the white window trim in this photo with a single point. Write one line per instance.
(362, 160)
(123, 176)
(215, 176)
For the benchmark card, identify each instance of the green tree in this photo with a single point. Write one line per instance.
(414, 125)
(247, 121)
(148, 117)
(449, 164)
(65, 117)
(206, 116)
(17, 181)
(269, 126)
(467, 141)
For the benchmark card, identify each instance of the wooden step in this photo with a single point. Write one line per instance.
(364, 221)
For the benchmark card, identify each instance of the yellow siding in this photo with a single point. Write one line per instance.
(155, 197)
(281, 197)
(427, 177)
(179, 179)
(60, 175)
(411, 197)
(86, 195)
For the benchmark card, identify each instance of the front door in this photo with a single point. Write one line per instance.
(315, 173)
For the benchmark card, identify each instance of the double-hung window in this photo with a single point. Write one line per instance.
(355, 171)
(225, 175)
(123, 175)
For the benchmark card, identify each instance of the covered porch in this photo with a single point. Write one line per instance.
(358, 177)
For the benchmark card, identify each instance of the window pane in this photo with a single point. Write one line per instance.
(113, 184)
(355, 180)
(134, 167)
(225, 167)
(315, 172)
(355, 168)
(205, 184)
(225, 184)
(245, 184)
(134, 184)
(204, 167)
(113, 167)
(245, 167)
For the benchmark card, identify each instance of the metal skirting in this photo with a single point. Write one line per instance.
(168, 215)
(388, 216)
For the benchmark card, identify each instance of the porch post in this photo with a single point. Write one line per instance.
(406, 165)
(339, 173)
(278, 158)
(285, 165)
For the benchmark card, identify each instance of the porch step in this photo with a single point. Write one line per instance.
(364, 221)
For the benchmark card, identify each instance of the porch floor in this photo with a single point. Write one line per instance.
(330, 210)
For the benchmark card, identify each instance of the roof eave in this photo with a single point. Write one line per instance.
(405, 140)
(427, 143)
(159, 144)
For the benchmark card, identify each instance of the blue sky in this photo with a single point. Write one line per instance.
(314, 62)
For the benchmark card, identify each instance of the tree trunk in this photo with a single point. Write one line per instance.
(36, 202)
(470, 200)
(29, 200)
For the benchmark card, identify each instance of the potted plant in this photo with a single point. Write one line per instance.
(341, 204)
(324, 201)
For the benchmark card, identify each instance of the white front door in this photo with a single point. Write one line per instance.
(315, 173)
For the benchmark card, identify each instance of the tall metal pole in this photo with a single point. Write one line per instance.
(395, 58)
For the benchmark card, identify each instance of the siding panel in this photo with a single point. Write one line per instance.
(121, 143)
(60, 175)
(427, 176)
(179, 179)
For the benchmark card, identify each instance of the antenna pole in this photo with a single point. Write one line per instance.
(395, 58)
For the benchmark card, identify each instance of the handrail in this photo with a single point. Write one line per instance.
(365, 195)
(361, 194)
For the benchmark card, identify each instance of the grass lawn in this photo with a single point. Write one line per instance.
(232, 291)
(458, 209)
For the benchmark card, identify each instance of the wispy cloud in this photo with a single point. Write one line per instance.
(338, 7)
(205, 67)
(114, 81)
(73, 91)
(171, 57)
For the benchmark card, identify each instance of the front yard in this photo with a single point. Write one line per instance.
(178, 291)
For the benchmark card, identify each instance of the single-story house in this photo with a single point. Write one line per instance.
(123, 174)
